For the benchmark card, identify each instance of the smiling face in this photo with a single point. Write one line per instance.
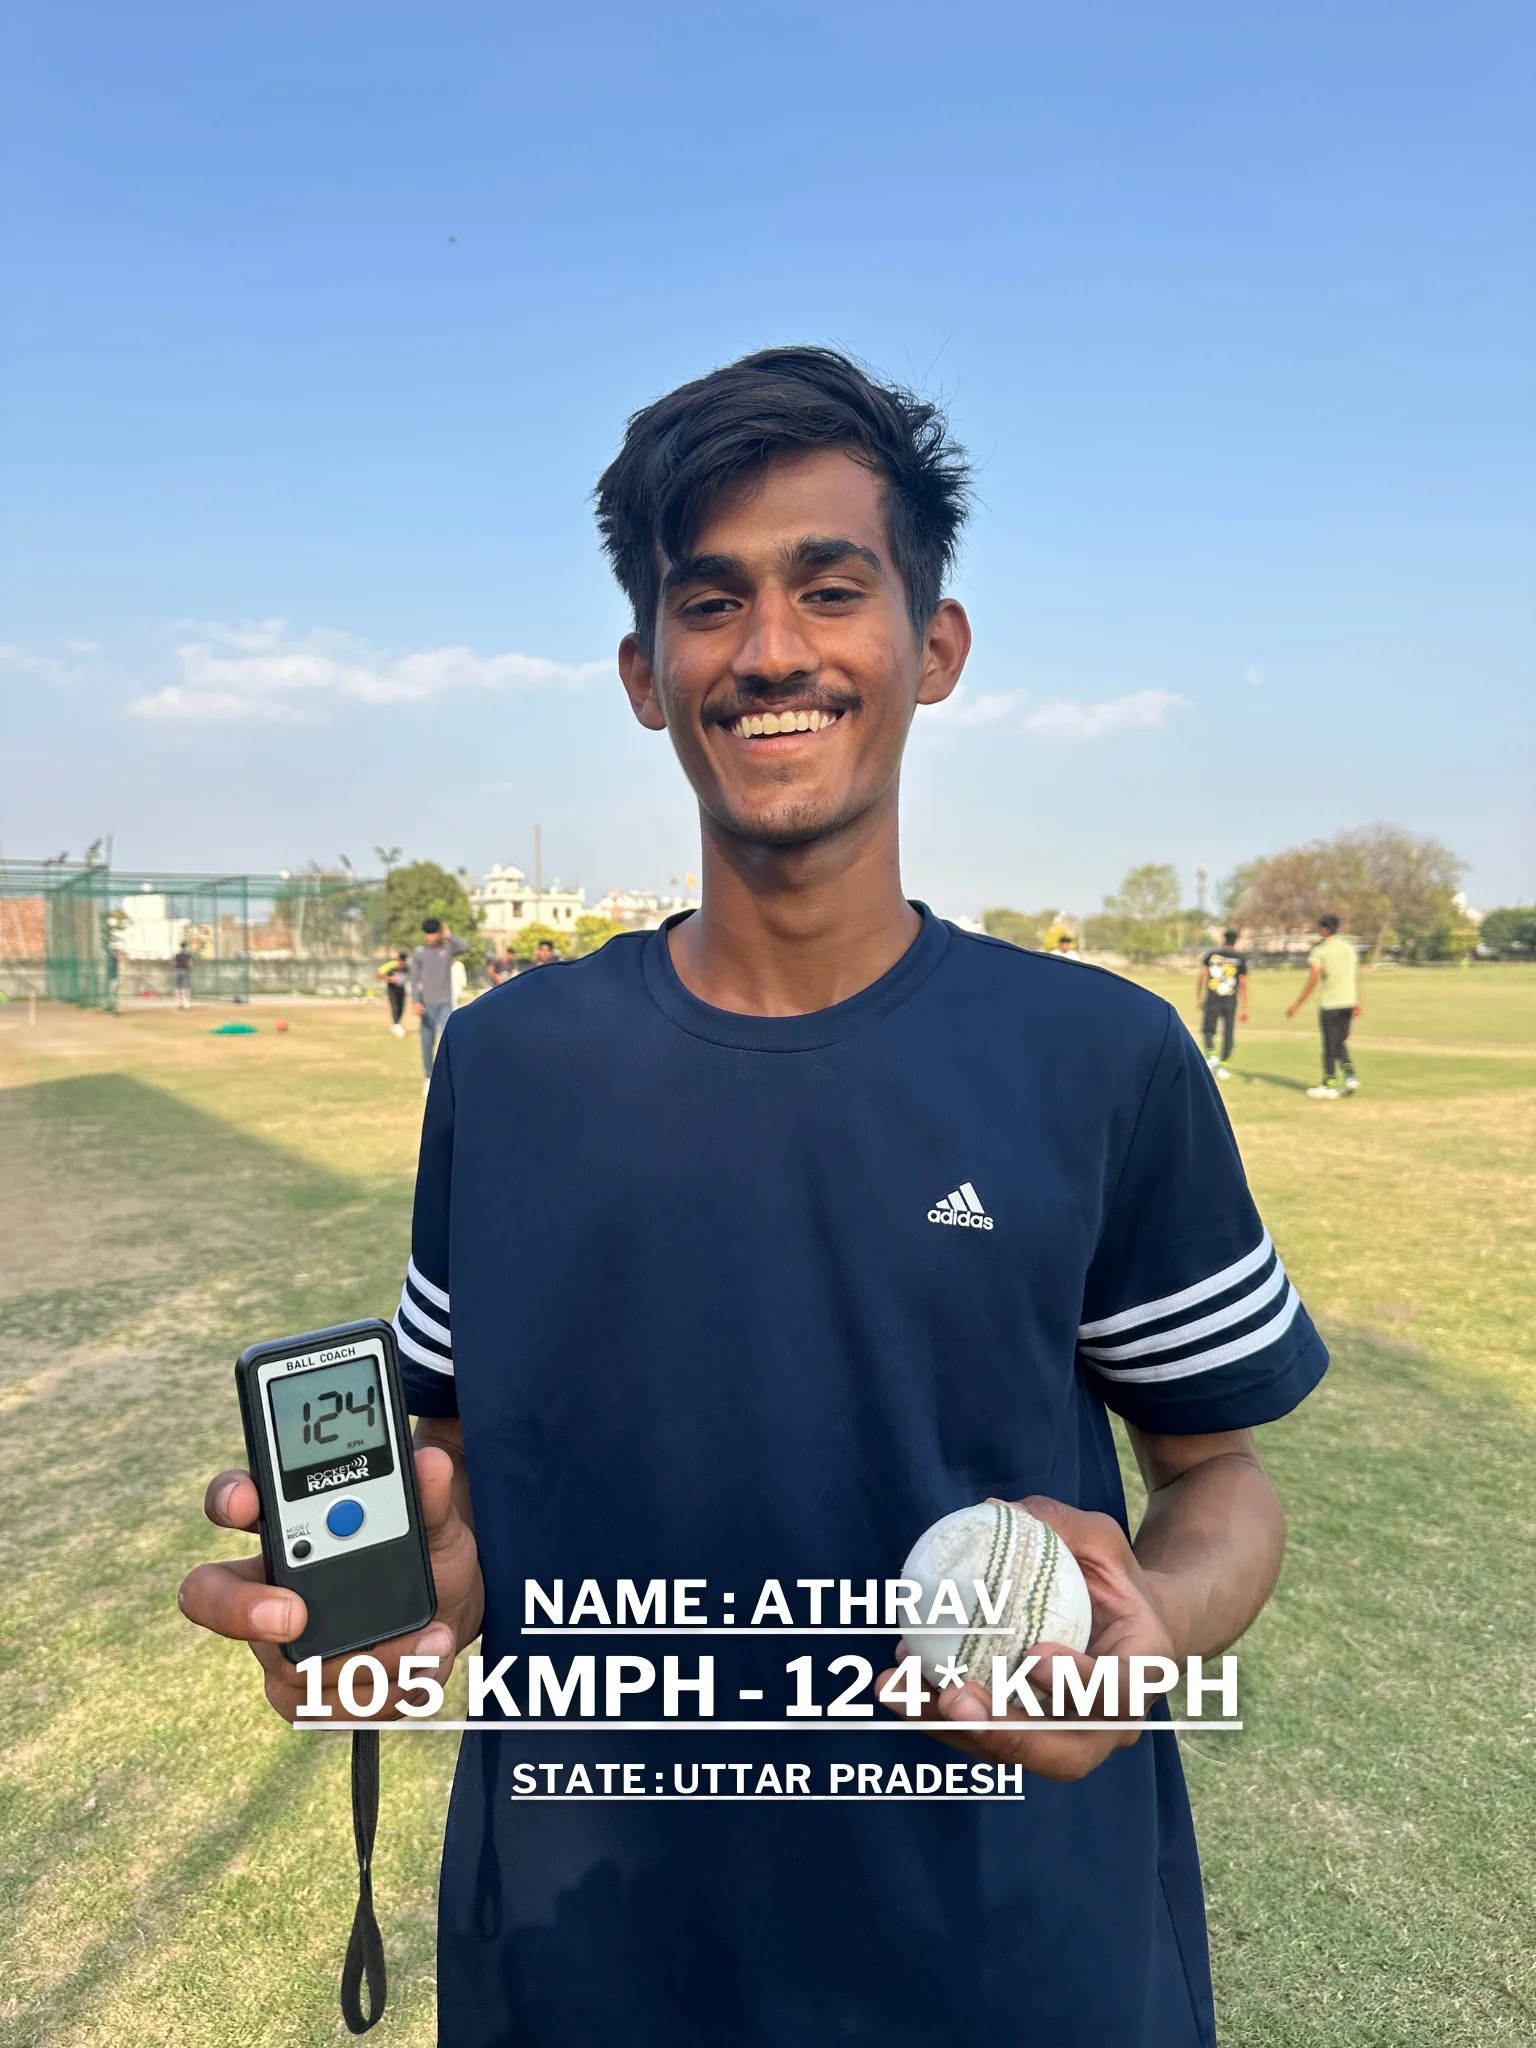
(786, 666)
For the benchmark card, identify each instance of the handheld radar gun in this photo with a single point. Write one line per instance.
(328, 1443)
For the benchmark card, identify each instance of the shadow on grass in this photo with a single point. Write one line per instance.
(116, 1128)
(1273, 1080)
(184, 1880)
(114, 1188)
(115, 1197)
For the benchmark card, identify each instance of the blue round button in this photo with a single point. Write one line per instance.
(344, 1518)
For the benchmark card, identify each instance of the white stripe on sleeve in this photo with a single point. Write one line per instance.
(1222, 1354)
(419, 1280)
(419, 1352)
(421, 1322)
(1187, 1297)
(1207, 1326)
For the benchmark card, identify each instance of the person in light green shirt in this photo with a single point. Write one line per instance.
(1334, 973)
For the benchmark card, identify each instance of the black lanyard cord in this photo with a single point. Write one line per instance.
(365, 1949)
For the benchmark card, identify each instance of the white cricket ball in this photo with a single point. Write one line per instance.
(1032, 1582)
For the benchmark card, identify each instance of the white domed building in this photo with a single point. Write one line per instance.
(506, 903)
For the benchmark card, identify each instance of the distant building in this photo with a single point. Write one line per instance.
(506, 903)
(23, 928)
(641, 910)
(147, 931)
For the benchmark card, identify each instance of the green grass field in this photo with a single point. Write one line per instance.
(174, 1864)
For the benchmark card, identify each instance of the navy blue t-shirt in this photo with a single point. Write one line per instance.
(740, 1298)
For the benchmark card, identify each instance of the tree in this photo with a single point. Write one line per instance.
(1231, 890)
(526, 943)
(1143, 920)
(329, 911)
(593, 931)
(1380, 882)
(1150, 894)
(421, 890)
(1510, 932)
(1024, 928)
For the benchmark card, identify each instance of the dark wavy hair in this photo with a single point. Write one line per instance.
(683, 450)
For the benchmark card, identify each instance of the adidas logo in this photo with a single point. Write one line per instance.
(962, 1207)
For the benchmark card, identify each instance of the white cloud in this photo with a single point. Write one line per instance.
(22, 661)
(961, 710)
(1253, 675)
(256, 670)
(213, 707)
(1141, 711)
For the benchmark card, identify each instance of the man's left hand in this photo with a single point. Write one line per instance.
(1131, 1618)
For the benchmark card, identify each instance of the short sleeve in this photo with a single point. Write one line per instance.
(423, 1321)
(1190, 1322)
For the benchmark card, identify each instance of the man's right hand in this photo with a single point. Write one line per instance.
(420, 1009)
(235, 1600)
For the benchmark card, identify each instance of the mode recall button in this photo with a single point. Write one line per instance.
(344, 1517)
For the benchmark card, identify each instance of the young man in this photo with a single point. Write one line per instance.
(1334, 971)
(431, 967)
(1221, 991)
(705, 1157)
(395, 974)
(544, 955)
(1065, 948)
(181, 975)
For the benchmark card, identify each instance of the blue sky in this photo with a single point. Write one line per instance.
(317, 337)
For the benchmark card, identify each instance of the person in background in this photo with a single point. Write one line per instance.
(432, 987)
(394, 974)
(1065, 948)
(181, 974)
(1335, 974)
(543, 954)
(1221, 994)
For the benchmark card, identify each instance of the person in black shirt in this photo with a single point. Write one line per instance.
(797, 1074)
(1221, 993)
